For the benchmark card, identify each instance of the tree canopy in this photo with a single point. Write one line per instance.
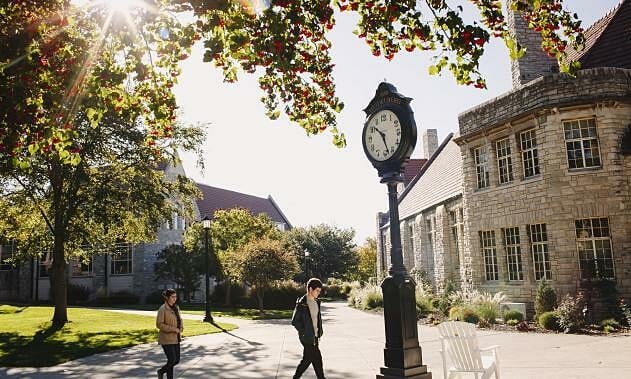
(61, 59)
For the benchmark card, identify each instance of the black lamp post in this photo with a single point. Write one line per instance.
(307, 263)
(207, 223)
(388, 138)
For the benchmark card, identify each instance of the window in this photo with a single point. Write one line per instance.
(121, 262)
(411, 238)
(429, 222)
(593, 242)
(581, 142)
(513, 254)
(481, 167)
(504, 161)
(7, 249)
(455, 218)
(489, 252)
(540, 255)
(529, 154)
(81, 267)
(45, 263)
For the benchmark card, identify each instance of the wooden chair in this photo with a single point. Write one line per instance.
(460, 343)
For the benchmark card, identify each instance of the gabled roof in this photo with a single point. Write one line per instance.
(607, 41)
(412, 169)
(440, 179)
(214, 198)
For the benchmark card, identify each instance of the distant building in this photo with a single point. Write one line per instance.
(131, 268)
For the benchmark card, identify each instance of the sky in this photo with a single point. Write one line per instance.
(311, 180)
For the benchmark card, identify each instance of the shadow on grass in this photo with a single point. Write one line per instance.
(49, 347)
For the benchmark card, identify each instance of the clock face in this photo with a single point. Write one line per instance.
(382, 136)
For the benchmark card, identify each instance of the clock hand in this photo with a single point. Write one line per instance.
(383, 137)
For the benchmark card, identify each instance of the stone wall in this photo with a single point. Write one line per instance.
(558, 195)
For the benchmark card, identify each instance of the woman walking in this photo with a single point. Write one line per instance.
(170, 325)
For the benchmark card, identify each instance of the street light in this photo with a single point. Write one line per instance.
(307, 263)
(207, 223)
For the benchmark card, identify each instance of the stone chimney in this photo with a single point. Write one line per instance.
(535, 62)
(430, 142)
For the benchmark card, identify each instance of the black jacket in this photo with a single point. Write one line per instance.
(301, 320)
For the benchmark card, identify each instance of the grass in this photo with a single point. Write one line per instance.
(27, 338)
(244, 313)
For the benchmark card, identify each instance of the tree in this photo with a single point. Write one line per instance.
(366, 261)
(261, 262)
(231, 230)
(55, 57)
(114, 193)
(330, 250)
(181, 266)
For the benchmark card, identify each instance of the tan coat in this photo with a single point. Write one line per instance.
(166, 322)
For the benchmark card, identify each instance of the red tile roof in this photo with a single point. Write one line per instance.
(412, 169)
(214, 198)
(607, 42)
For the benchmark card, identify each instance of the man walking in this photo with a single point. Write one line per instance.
(307, 319)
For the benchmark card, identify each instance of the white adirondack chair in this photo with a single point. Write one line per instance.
(460, 344)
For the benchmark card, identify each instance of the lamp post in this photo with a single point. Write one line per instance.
(307, 263)
(207, 223)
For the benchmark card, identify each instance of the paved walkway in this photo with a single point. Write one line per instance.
(352, 348)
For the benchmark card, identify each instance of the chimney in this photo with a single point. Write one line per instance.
(430, 142)
(535, 62)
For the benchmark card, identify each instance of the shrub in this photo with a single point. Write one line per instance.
(238, 294)
(548, 320)
(154, 297)
(444, 302)
(281, 295)
(626, 313)
(463, 313)
(487, 312)
(545, 300)
(338, 289)
(368, 297)
(609, 325)
(523, 326)
(570, 313)
(117, 298)
(77, 293)
(512, 322)
(513, 315)
(424, 306)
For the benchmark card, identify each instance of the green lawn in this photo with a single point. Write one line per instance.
(244, 313)
(27, 339)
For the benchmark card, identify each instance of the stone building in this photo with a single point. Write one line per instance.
(547, 188)
(545, 180)
(131, 268)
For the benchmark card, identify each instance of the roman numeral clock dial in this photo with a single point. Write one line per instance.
(382, 136)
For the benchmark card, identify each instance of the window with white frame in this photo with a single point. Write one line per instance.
(489, 252)
(121, 259)
(411, 237)
(593, 242)
(7, 249)
(540, 256)
(455, 218)
(81, 266)
(481, 167)
(581, 141)
(45, 263)
(529, 153)
(504, 161)
(513, 254)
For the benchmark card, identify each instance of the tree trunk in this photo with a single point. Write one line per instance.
(259, 297)
(58, 275)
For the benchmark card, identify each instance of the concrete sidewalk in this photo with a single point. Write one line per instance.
(352, 347)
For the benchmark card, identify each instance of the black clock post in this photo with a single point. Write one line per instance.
(403, 357)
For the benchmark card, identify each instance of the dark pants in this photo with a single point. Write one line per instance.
(310, 355)
(173, 357)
